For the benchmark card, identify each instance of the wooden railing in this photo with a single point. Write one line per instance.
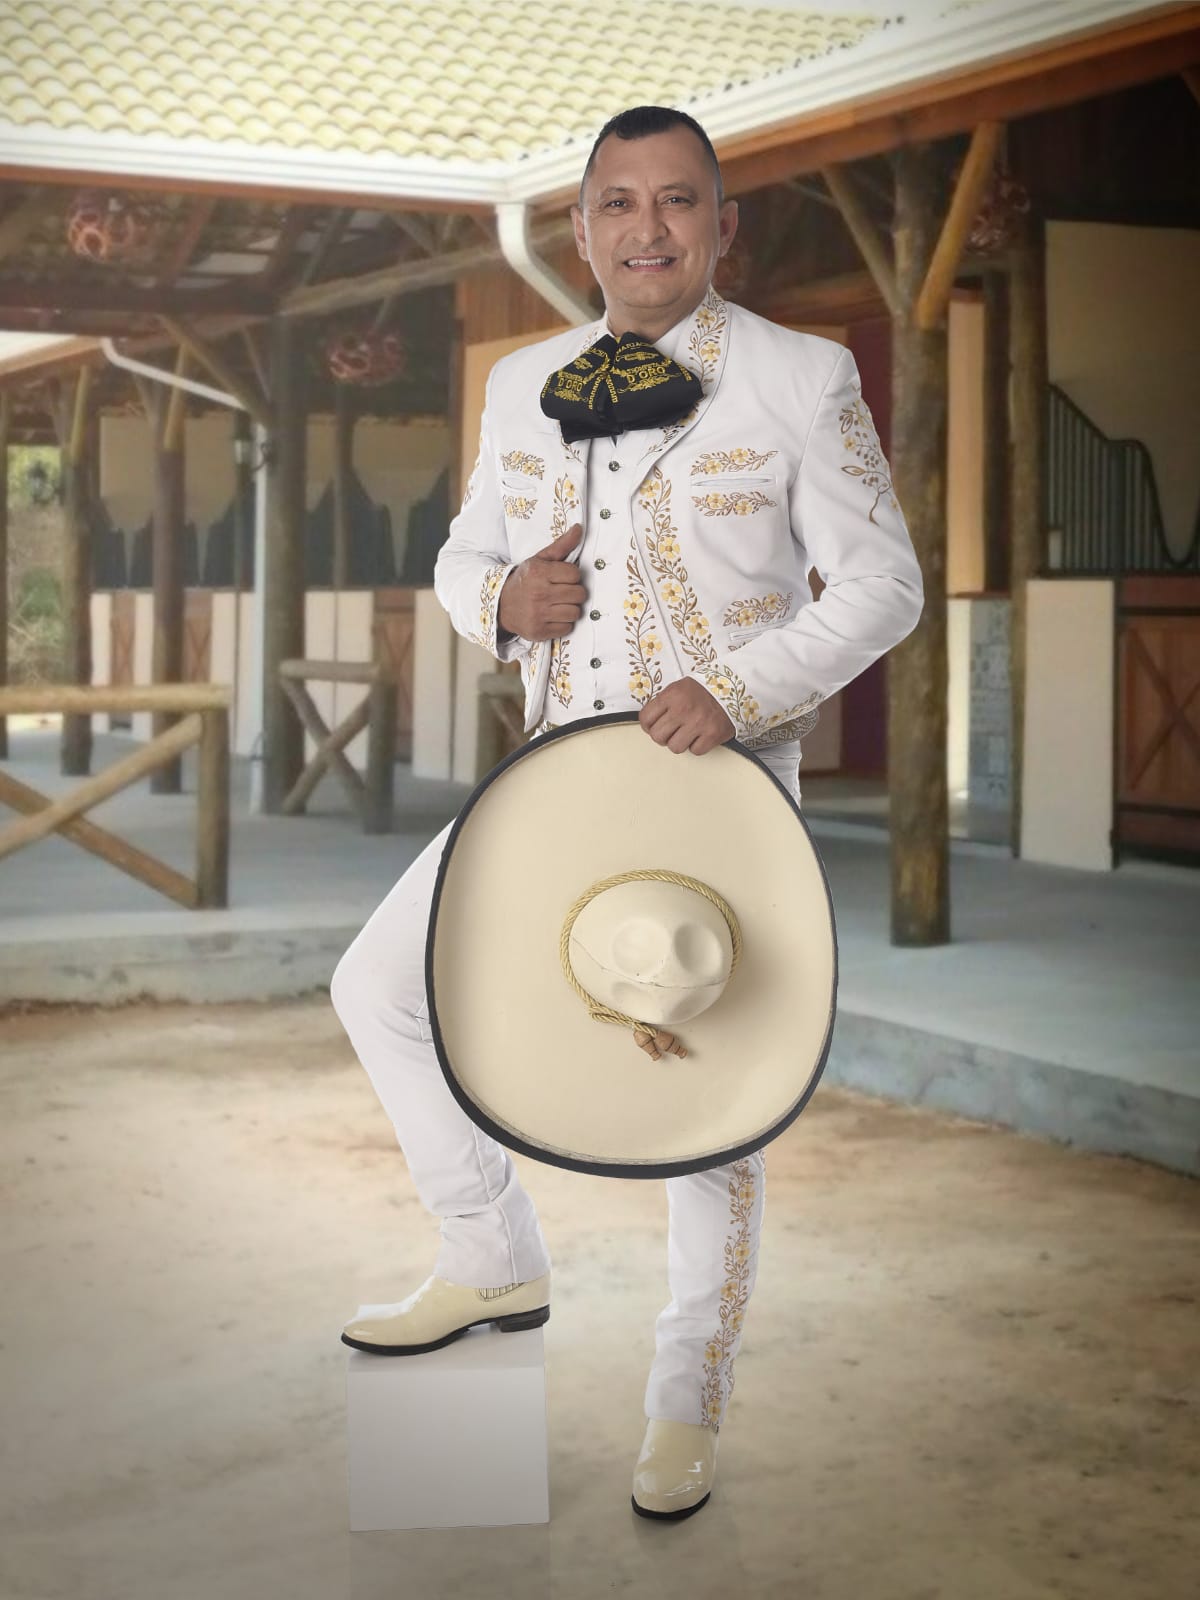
(371, 799)
(501, 720)
(204, 721)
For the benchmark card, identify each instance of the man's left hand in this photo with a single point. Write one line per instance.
(685, 716)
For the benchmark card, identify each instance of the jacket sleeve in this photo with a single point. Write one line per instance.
(475, 560)
(845, 515)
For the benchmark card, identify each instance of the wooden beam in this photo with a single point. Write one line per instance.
(420, 232)
(341, 293)
(295, 224)
(847, 297)
(54, 697)
(862, 228)
(343, 471)
(327, 244)
(25, 216)
(6, 430)
(103, 295)
(76, 744)
(199, 213)
(283, 577)
(969, 191)
(105, 784)
(917, 667)
(166, 538)
(1028, 382)
(210, 357)
(98, 841)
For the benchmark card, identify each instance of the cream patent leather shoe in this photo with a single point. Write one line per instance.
(439, 1312)
(674, 1473)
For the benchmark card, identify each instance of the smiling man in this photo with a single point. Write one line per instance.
(650, 495)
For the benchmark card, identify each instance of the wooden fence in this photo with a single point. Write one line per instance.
(204, 721)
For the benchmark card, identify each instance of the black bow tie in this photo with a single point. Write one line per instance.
(616, 385)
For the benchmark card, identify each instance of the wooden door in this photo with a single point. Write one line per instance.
(1158, 714)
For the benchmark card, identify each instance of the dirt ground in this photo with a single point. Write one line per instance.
(971, 1368)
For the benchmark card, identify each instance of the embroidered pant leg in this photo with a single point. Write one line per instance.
(715, 1221)
(490, 1234)
(714, 1227)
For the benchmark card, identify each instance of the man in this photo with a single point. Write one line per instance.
(659, 566)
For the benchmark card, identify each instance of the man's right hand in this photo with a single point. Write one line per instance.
(542, 598)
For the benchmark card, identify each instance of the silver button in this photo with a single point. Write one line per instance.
(595, 662)
(600, 564)
(595, 616)
(606, 513)
(597, 705)
(614, 466)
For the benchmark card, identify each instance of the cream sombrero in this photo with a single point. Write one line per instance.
(598, 892)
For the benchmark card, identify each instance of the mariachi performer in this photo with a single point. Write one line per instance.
(650, 494)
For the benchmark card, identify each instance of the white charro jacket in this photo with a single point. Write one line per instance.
(776, 470)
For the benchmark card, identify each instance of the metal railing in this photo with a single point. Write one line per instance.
(1102, 508)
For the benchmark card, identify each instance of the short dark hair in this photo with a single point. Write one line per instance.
(641, 121)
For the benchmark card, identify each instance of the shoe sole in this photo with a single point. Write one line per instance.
(518, 1322)
(670, 1516)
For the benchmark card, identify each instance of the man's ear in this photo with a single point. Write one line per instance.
(727, 219)
(580, 235)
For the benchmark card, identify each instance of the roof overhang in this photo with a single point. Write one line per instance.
(928, 48)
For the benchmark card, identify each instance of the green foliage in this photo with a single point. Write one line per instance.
(39, 596)
(34, 475)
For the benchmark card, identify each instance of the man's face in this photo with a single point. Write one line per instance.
(651, 229)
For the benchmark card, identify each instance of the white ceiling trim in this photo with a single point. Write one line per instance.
(926, 45)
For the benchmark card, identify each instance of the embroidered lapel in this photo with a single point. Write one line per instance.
(705, 350)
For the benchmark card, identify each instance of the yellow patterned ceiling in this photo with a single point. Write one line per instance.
(482, 83)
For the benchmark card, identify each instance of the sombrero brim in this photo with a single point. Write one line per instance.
(517, 1047)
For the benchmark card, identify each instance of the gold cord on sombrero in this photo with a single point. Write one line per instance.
(655, 1041)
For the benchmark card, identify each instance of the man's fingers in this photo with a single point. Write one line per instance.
(566, 590)
(681, 739)
(557, 613)
(558, 549)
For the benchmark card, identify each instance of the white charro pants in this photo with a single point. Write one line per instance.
(490, 1234)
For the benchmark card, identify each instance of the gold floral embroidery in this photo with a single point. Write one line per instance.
(519, 461)
(488, 592)
(566, 501)
(704, 346)
(518, 505)
(859, 435)
(759, 611)
(736, 503)
(645, 645)
(742, 459)
(695, 634)
(735, 1294)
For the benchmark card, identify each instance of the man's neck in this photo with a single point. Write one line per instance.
(650, 324)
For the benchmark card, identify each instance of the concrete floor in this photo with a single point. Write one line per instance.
(970, 1369)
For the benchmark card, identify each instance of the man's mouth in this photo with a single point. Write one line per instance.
(649, 263)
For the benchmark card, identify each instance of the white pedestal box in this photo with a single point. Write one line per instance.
(450, 1439)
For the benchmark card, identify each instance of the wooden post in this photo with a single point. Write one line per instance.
(167, 432)
(1027, 399)
(212, 801)
(381, 758)
(76, 748)
(917, 668)
(6, 413)
(343, 466)
(995, 432)
(283, 579)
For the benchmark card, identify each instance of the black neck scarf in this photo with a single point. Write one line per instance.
(617, 385)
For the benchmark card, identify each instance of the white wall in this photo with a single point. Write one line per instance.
(1124, 343)
(1066, 803)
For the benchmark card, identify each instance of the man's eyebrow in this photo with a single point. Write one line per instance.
(622, 188)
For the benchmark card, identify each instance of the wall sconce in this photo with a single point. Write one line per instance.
(242, 449)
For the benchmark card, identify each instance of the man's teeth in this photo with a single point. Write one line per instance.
(648, 261)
